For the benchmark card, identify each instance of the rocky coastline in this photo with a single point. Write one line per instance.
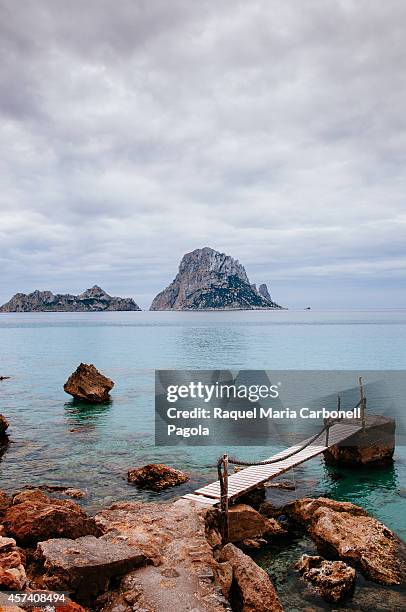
(164, 556)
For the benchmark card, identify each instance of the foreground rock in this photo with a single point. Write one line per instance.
(88, 384)
(245, 524)
(12, 572)
(3, 427)
(303, 510)
(346, 531)
(251, 589)
(156, 476)
(94, 299)
(84, 566)
(209, 280)
(375, 445)
(173, 536)
(331, 580)
(33, 517)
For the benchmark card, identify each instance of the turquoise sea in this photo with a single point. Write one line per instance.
(57, 441)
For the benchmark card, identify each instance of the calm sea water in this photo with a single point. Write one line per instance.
(55, 441)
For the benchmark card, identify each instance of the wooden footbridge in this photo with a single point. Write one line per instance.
(254, 476)
(229, 487)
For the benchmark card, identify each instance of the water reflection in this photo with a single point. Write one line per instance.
(85, 415)
(350, 481)
(3, 447)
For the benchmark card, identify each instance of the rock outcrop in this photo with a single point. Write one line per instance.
(12, 571)
(33, 517)
(347, 532)
(93, 299)
(156, 476)
(244, 523)
(263, 290)
(375, 445)
(304, 510)
(331, 580)
(209, 280)
(84, 566)
(88, 384)
(251, 589)
(173, 536)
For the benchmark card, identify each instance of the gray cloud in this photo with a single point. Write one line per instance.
(134, 132)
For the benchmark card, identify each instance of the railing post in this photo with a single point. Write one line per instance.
(363, 403)
(327, 432)
(224, 500)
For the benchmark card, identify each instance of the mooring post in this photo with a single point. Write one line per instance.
(224, 500)
(363, 402)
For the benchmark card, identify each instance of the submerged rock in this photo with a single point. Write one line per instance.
(33, 516)
(332, 580)
(74, 493)
(88, 384)
(3, 427)
(156, 476)
(85, 565)
(253, 543)
(64, 490)
(346, 531)
(251, 589)
(12, 572)
(209, 280)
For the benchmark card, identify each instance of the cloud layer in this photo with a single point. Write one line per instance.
(134, 132)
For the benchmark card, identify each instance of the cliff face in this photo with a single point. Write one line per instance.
(209, 280)
(94, 299)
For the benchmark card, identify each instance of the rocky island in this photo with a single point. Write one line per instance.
(210, 280)
(94, 299)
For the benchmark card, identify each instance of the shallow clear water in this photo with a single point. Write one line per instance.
(56, 441)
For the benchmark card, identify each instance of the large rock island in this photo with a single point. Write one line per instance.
(209, 280)
(94, 299)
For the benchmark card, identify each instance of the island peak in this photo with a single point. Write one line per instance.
(211, 280)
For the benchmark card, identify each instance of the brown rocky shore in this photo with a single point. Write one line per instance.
(153, 557)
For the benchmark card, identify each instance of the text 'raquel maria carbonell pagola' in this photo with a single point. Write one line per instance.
(209, 393)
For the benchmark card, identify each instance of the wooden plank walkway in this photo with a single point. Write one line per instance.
(251, 477)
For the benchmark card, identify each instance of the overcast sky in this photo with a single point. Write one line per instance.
(135, 131)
